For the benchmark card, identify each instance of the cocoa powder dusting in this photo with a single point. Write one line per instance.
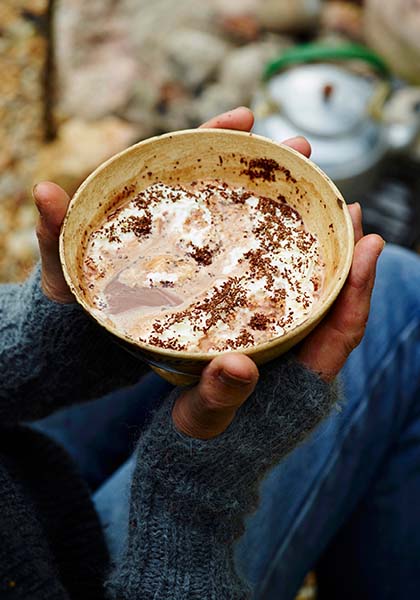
(140, 226)
(265, 169)
(259, 321)
(203, 256)
(247, 297)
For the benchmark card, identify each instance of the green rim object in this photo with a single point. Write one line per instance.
(325, 52)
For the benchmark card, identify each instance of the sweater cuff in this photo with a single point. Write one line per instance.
(37, 301)
(53, 355)
(222, 474)
(76, 345)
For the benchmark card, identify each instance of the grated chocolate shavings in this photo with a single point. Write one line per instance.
(252, 289)
(265, 169)
(259, 321)
(140, 226)
(203, 256)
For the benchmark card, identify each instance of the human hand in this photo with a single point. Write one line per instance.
(207, 409)
(52, 203)
(327, 348)
(227, 382)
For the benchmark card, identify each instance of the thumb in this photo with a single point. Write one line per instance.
(51, 202)
(206, 410)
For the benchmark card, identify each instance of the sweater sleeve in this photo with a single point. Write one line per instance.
(53, 355)
(189, 498)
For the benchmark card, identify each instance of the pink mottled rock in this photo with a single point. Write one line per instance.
(80, 147)
(159, 64)
(106, 48)
(343, 18)
(392, 29)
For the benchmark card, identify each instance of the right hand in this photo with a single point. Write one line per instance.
(207, 409)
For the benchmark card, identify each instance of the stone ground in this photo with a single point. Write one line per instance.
(22, 64)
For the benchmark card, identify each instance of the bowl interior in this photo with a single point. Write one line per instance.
(239, 159)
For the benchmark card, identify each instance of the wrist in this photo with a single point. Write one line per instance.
(203, 473)
(60, 293)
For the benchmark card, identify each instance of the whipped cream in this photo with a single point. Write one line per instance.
(203, 268)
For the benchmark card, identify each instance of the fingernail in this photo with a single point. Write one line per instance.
(233, 381)
(295, 138)
(34, 190)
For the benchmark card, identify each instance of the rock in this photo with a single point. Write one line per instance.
(22, 245)
(194, 56)
(80, 147)
(23, 55)
(243, 67)
(99, 87)
(392, 29)
(217, 98)
(283, 16)
(106, 47)
(288, 17)
(343, 18)
(241, 28)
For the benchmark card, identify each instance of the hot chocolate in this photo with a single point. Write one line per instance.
(203, 268)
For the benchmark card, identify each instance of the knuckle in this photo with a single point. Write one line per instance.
(353, 339)
(211, 403)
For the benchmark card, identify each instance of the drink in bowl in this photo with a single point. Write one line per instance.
(206, 241)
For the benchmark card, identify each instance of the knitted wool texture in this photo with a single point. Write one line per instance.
(189, 498)
(52, 546)
(52, 355)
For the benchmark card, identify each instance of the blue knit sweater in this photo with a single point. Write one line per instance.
(189, 498)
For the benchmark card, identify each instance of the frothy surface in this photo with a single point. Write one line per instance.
(203, 268)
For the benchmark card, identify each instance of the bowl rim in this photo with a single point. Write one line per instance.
(316, 316)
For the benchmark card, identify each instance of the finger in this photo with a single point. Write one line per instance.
(355, 211)
(52, 203)
(327, 348)
(206, 410)
(300, 144)
(241, 119)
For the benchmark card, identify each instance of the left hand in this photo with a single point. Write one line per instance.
(207, 409)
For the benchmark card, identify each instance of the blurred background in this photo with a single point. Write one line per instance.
(82, 80)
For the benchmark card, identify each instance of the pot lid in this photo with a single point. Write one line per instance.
(322, 99)
(331, 106)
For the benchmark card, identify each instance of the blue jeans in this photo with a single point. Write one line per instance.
(346, 502)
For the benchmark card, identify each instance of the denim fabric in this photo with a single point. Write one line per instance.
(347, 501)
(101, 435)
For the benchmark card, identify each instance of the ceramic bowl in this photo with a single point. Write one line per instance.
(232, 156)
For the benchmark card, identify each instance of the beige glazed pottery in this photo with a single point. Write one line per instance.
(234, 157)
